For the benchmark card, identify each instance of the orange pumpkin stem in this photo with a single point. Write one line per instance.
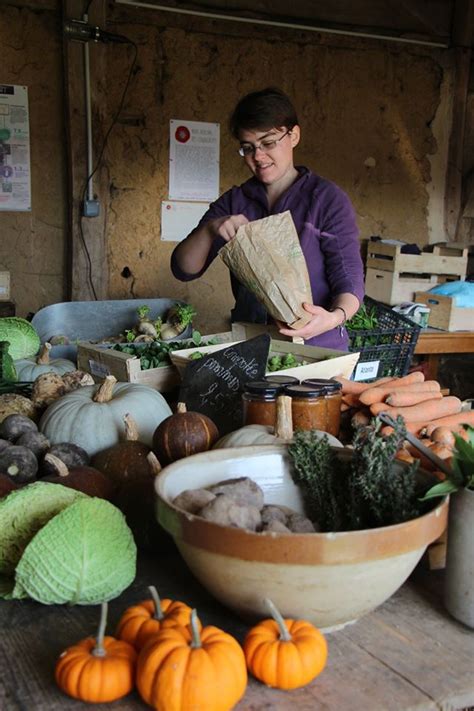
(105, 391)
(196, 640)
(131, 429)
(284, 420)
(181, 408)
(43, 355)
(158, 614)
(99, 649)
(285, 636)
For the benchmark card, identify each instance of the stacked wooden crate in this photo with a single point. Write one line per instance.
(393, 276)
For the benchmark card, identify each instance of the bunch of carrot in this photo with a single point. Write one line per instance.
(426, 412)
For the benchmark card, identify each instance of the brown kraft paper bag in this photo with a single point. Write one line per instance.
(266, 256)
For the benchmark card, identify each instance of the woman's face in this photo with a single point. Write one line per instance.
(271, 159)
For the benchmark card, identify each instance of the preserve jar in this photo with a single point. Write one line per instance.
(308, 407)
(259, 402)
(333, 393)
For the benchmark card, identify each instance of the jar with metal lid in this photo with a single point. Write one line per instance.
(308, 407)
(281, 379)
(333, 392)
(259, 402)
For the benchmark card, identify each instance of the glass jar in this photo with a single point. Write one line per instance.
(333, 393)
(259, 402)
(308, 407)
(281, 380)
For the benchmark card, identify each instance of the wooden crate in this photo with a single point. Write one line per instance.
(320, 362)
(439, 259)
(101, 360)
(445, 314)
(392, 288)
(4, 286)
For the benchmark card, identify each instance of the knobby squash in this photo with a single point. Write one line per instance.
(97, 670)
(284, 653)
(182, 668)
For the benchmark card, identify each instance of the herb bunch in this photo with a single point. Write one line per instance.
(358, 492)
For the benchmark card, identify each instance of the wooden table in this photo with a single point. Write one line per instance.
(407, 654)
(434, 343)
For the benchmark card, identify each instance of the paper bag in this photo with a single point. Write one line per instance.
(266, 256)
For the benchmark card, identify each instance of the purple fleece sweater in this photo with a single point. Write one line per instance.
(325, 222)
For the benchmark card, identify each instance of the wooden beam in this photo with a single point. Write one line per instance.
(463, 22)
(87, 241)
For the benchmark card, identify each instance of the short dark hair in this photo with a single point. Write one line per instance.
(264, 109)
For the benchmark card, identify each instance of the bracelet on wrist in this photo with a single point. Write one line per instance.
(344, 315)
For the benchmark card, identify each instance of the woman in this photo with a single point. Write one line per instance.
(266, 126)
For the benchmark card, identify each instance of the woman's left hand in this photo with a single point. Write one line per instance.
(321, 321)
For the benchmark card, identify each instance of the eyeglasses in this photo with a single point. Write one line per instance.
(247, 149)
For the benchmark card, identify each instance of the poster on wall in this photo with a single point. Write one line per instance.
(15, 173)
(194, 160)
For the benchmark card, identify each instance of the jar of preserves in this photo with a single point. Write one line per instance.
(308, 407)
(259, 402)
(333, 393)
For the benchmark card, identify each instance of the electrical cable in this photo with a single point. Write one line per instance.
(98, 164)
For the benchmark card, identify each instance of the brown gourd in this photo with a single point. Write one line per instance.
(125, 461)
(183, 434)
(82, 478)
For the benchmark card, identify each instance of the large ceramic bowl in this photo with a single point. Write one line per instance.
(331, 579)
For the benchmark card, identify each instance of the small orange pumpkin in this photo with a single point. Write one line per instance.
(285, 653)
(140, 622)
(97, 670)
(182, 668)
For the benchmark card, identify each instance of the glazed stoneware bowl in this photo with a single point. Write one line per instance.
(330, 579)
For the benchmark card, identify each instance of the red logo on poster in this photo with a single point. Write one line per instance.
(182, 134)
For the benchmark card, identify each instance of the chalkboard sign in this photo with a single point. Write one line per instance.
(213, 385)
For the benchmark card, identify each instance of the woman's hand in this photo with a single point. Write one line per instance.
(226, 227)
(321, 321)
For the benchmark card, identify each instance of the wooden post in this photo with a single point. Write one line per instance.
(86, 243)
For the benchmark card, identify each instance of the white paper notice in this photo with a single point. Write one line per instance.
(194, 160)
(15, 178)
(178, 219)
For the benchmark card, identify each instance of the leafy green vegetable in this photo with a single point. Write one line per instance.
(362, 491)
(23, 512)
(7, 366)
(84, 556)
(156, 353)
(21, 335)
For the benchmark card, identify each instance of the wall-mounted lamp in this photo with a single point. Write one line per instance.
(83, 32)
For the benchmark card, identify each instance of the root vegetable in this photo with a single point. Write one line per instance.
(11, 403)
(4, 443)
(35, 441)
(451, 421)
(412, 397)
(193, 500)
(378, 392)
(71, 454)
(47, 388)
(275, 526)
(13, 426)
(351, 387)
(177, 319)
(243, 490)
(443, 435)
(299, 524)
(227, 512)
(272, 512)
(19, 463)
(76, 379)
(426, 410)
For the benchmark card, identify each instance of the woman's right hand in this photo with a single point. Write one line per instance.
(226, 227)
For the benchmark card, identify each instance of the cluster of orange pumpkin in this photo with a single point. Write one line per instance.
(176, 664)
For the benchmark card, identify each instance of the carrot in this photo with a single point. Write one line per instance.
(449, 405)
(452, 421)
(352, 387)
(377, 391)
(412, 427)
(410, 396)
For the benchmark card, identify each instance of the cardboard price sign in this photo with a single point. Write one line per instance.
(213, 385)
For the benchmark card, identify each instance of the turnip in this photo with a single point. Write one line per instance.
(145, 325)
(177, 319)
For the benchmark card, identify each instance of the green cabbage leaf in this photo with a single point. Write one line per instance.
(21, 335)
(85, 555)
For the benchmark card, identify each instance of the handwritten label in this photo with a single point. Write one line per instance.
(213, 385)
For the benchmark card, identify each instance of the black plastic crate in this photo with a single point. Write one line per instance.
(386, 350)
